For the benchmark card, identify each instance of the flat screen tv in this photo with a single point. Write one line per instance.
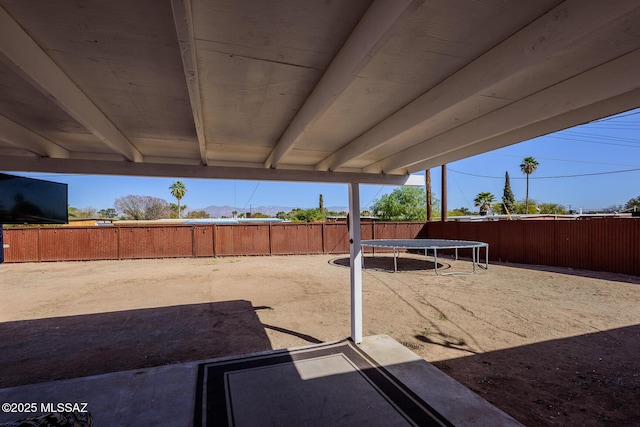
(32, 201)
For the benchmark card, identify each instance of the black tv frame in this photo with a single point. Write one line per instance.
(32, 201)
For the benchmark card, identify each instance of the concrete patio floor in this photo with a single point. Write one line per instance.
(303, 388)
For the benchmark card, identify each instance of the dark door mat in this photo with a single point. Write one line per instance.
(328, 384)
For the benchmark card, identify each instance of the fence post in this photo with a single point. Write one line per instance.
(636, 247)
(214, 234)
(193, 241)
(555, 242)
(324, 248)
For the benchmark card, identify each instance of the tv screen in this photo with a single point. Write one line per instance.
(32, 201)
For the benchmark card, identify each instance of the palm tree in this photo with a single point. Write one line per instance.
(528, 166)
(484, 200)
(178, 190)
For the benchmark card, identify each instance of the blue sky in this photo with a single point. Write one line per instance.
(592, 166)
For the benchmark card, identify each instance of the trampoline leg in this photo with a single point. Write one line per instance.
(486, 257)
(473, 257)
(395, 261)
(435, 260)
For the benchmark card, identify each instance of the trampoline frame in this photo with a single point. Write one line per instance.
(434, 245)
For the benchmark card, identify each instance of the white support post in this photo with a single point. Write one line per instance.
(355, 253)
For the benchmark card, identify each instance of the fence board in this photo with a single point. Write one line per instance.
(242, 239)
(449, 231)
(134, 242)
(573, 244)
(431, 230)
(635, 249)
(77, 244)
(395, 230)
(511, 242)
(289, 239)
(539, 239)
(176, 241)
(203, 241)
(336, 238)
(155, 242)
(612, 239)
(490, 234)
(23, 244)
(367, 232)
(469, 230)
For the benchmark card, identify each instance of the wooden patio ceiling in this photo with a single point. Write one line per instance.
(301, 90)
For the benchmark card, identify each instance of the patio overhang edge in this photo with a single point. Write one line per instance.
(146, 169)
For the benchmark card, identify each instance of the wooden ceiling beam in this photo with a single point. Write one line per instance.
(20, 52)
(625, 102)
(376, 27)
(548, 36)
(609, 80)
(183, 18)
(21, 137)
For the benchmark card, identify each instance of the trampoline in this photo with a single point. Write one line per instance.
(433, 245)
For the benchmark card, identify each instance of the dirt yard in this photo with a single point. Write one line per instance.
(548, 346)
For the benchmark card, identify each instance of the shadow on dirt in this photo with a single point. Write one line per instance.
(586, 380)
(58, 348)
(385, 263)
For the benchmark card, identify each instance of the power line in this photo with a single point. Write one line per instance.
(599, 137)
(596, 142)
(549, 177)
(564, 160)
(469, 205)
(619, 116)
(369, 203)
(250, 197)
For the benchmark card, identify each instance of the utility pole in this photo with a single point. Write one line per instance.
(444, 194)
(429, 196)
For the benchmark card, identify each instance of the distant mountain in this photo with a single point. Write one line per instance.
(227, 211)
(337, 208)
(220, 211)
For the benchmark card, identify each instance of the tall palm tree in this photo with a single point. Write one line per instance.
(178, 190)
(484, 200)
(528, 166)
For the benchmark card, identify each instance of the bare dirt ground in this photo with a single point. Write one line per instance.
(548, 346)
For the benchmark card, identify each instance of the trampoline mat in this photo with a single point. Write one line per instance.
(422, 244)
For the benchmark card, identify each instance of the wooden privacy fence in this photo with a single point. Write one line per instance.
(600, 244)
(180, 241)
(603, 244)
